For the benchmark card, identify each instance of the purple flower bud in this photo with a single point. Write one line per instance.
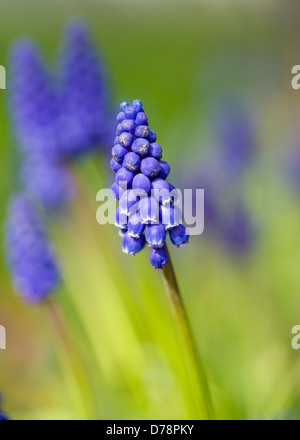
(132, 162)
(156, 235)
(135, 227)
(117, 191)
(121, 219)
(137, 105)
(179, 236)
(118, 153)
(158, 257)
(129, 203)
(141, 183)
(142, 131)
(124, 105)
(119, 130)
(128, 125)
(150, 167)
(141, 119)
(140, 146)
(121, 116)
(114, 165)
(164, 169)
(170, 216)
(132, 245)
(124, 178)
(152, 136)
(160, 190)
(155, 151)
(130, 112)
(125, 139)
(149, 210)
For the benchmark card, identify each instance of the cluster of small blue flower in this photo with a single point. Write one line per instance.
(146, 200)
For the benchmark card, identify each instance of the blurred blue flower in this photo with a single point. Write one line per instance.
(83, 94)
(139, 169)
(51, 185)
(33, 101)
(237, 230)
(235, 136)
(221, 175)
(30, 257)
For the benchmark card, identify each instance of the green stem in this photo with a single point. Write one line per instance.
(72, 356)
(194, 365)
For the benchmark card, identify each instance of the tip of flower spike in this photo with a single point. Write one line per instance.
(158, 257)
(137, 105)
(77, 31)
(77, 25)
(23, 48)
(124, 105)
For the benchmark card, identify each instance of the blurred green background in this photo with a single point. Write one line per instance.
(181, 58)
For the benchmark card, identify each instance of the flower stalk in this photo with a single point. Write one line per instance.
(196, 372)
(73, 358)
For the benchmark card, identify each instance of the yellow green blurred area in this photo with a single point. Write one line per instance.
(181, 58)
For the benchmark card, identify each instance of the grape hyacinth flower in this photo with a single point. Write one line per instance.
(34, 109)
(236, 135)
(33, 102)
(146, 211)
(30, 257)
(83, 93)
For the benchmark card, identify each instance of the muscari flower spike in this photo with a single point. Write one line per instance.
(83, 93)
(33, 102)
(30, 257)
(146, 211)
(236, 134)
(34, 109)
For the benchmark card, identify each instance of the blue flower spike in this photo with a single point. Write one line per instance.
(30, 257)
(83, 93)
(146, 211)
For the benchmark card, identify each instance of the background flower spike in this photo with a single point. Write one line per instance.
(83, 93)
(31, 260)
